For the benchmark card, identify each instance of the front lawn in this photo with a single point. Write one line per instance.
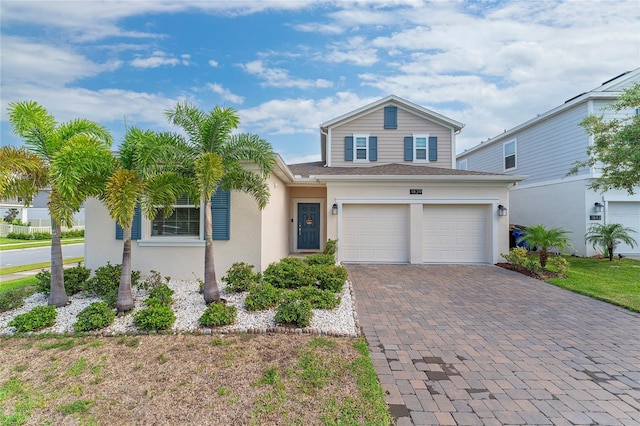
(616, 282)
(13, 244)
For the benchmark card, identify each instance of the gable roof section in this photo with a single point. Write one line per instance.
(403, 103)
(610, 89)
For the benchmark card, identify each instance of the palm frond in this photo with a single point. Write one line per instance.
(217, 127)
(162, 191)
(32, 122)
(22, 173)
(189, 118)
(209, 170)
(82, 126)
(250, 147)
(123, 189)
(249, 182)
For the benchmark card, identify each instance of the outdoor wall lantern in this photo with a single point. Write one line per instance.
(334, 209)
(598, 207)
(502, 210)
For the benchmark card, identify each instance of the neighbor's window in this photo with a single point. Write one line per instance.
(462, 165)
(420, 148)
(183, 222)
(361, 147)
(509, 149)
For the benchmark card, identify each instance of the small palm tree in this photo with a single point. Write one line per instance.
(76, 160)
(544, 239)
(217, 158)
(147, 173)
(609, 236)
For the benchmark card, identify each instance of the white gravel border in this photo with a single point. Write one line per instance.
(188, 306)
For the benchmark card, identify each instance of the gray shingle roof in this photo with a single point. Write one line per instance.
(317, 169)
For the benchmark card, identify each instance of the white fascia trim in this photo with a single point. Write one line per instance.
(554, 181)
(622, 198)
(328, 147)
(420, 178)
(459, 201)
(453, 149)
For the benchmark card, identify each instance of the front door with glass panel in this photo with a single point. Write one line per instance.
(308, 226)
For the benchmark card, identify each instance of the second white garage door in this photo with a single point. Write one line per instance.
(455, 234)
(627, 214)
(375, 233)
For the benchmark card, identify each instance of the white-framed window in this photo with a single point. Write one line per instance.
(183, 222)
(420, 148)
(361, 148)
(462, 164)
(509, 150)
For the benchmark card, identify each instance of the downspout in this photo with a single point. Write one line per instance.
(327, 148)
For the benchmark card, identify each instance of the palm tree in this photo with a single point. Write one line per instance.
(544, 239)
(609, 236)
(77, 159)
(147, 174)
(217, 162)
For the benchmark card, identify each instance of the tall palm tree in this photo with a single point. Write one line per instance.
(609, 236)
(77, 160)
(217, 162)
(544, 239)
(22, 174)
(148, 174)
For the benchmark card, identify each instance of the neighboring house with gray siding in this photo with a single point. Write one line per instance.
(544, 149)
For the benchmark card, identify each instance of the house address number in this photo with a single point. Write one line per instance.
(415, 191)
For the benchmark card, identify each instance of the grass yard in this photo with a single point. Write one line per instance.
(239, 379)
(616, 282)
(43, 265)
(11, 244)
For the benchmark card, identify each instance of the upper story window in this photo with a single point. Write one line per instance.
(391, 117)
(462, 164)
(360, 148)
(420, 148)
(509, 151)
(184, 221)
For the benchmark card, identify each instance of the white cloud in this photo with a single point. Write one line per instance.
(157, 59)
(225, 93)
(278, 77)
(213, 63)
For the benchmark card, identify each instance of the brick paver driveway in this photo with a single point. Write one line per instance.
(482, 345)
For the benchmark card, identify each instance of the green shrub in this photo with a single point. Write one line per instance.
(19, 236)
(218, 314)
(560, 264)
(262, 296)
(294, 312)
(331, 278)
(13, 299)
(290, 272)
(331, 247)
(533, 265)
(41, 235)
(72, 233)
(158, 317)
(320, 259)
(75, 280)
(240, 277)
(319, 299)
(95, 316)
(160, 295)
(106, 281)
(36, 319)
(517, 256)
(153, 280)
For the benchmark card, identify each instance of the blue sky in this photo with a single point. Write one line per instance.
(288, 66)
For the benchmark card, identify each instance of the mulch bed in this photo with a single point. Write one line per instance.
(544, 275)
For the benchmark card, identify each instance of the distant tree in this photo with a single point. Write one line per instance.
(616, 145)
(73, 159)
(11, 215)
(217, 162)
(147, 173)
(609, 236)
(544, 239)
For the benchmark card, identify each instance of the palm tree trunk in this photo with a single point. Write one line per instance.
(211, 291)
(610, 248)
(544, 255)
(57, 296)
(125, 296)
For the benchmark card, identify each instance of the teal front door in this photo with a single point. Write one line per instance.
(309, 226)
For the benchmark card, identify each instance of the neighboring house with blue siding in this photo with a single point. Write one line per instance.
(544, 149)
(386, 189)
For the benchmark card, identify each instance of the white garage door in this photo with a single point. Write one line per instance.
(455, 234)
(375, 233)
(627, 214)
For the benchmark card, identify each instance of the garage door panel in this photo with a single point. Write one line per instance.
(375, 233)
(455, 234)
(627, 214)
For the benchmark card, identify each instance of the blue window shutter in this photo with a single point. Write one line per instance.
(136, 227)
(390, 117)
(408, 148)
(373, 148)
(433, 148)
(221, 215)
(348, 148)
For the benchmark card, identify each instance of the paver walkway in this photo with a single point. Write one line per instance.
(480, 345)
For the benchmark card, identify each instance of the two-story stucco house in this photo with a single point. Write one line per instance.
(386, 189)
(544, 149)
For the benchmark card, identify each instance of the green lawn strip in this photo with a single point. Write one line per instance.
(34, 266)
(616, 282)
(12, 244)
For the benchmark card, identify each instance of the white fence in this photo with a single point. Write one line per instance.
(6, 228)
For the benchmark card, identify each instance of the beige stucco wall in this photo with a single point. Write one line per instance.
(390, 141)
(275, 236)
(489, 194)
